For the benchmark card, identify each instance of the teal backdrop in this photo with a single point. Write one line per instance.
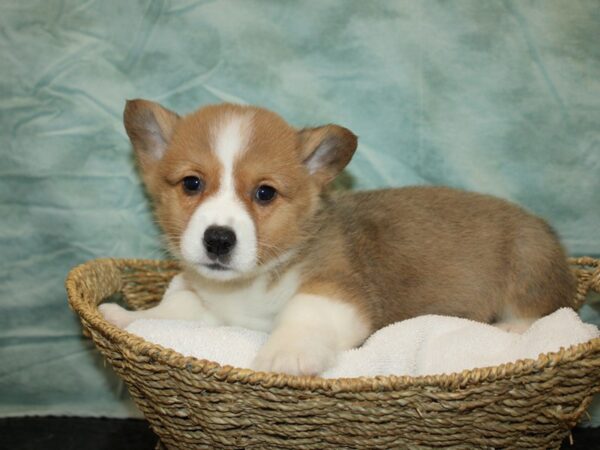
(495, 96)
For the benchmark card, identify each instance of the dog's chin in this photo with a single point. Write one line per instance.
(218, 272)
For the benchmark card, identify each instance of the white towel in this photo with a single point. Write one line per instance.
(425, 345)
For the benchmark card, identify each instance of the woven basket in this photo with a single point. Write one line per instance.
(193, 403)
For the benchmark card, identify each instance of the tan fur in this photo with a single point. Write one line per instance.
(400, 253)
(394, 253)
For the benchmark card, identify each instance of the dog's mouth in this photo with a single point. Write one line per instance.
(216, 266)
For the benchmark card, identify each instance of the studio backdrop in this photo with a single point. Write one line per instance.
(496, 96)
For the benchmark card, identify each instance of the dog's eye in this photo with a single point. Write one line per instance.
(192, 185)
(265, 194)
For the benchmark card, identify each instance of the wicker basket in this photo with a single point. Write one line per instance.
(193, 403)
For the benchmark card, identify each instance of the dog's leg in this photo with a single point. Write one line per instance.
(515, 325)
(177, 303)
(309, 334)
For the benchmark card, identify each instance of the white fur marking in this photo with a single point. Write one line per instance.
(311, 331)
(519, 326)
(229, 139)
(179, 302)
(513, 323)
(254, 303)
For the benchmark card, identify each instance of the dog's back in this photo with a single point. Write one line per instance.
(433, 250)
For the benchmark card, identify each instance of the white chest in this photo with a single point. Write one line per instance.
(254, 304)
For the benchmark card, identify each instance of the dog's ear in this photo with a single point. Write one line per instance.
(150, 128)
(326, 150)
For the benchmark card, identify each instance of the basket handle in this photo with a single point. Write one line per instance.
(89, 283)
(588, 275)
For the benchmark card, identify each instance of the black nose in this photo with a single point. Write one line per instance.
(218, 241)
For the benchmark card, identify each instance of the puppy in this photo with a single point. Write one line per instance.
(241, 196)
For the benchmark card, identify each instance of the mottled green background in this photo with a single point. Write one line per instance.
(496, 96)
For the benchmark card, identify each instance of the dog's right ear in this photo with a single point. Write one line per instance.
(150, 128)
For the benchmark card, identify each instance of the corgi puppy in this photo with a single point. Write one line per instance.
(242, 199)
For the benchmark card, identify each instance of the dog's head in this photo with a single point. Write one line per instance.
(233, 185)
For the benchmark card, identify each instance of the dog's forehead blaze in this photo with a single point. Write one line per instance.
(189, 153)
(266, 138)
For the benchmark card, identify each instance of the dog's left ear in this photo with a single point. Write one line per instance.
(326, 150)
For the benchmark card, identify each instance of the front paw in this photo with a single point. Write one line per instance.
(304, 357)
(115, 314)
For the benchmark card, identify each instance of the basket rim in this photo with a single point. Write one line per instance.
(92, 318)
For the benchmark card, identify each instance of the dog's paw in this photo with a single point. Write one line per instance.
(518, 326)
(117, 315)
(303, 357)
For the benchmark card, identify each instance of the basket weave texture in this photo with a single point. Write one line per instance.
(193, 404)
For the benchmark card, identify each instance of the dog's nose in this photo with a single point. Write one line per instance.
(219, 241)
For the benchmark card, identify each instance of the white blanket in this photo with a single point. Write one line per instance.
(425, 345)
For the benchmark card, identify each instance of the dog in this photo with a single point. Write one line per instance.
(244, 203)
